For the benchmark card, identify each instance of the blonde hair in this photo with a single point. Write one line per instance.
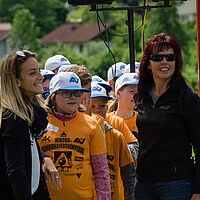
(82, 72)
(11, 96)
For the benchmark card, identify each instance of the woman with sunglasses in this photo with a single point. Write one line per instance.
(21, 121)
(75, 142)
(168, 126)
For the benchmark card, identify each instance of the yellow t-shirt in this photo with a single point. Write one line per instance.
(100, 120)
(70, 145)
(119, 124)
(118, 155)
(131, 122)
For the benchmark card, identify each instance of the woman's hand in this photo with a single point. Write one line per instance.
(50, 169)
(195, 197)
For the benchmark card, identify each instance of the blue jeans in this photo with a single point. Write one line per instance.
(164, 190)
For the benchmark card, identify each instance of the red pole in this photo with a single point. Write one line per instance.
(198, 39)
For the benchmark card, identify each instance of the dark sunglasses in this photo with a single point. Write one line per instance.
(68, 94)
(159, 57)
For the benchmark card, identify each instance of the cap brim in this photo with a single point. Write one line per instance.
(119, 75)
(48, 75)
(94, 96)
(132, 83)
(107, 87)
(75, 88)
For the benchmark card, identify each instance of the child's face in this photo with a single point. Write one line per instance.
(125, 96)
(99, 106)
(45, 84)
(68, 101)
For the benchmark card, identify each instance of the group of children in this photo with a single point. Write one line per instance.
(91, 134)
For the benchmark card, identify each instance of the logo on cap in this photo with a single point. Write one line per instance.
(96, 89)
(135, 77)
(73, 79)
(63, 59)
(97, 80)
(122, 67)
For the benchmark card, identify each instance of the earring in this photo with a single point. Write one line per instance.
(19, 85)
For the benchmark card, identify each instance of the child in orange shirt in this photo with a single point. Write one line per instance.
(120, 161)
(125, 89)
(75, 142)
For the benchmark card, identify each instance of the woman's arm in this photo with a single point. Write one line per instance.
(13, 135)
(101, 176)
(192, 112)
(15, 165)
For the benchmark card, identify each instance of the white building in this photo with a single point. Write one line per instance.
(4, 38)
(187, 10)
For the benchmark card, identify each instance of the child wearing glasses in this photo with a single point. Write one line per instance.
(75, 142)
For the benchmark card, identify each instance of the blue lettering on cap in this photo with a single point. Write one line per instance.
(63, 59)
(135, 77)
(74, 79)
(96, 89)
(97, 80)
(122, 67)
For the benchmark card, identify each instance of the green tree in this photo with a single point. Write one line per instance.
(48, 13)
(24, 32)
(166, 20)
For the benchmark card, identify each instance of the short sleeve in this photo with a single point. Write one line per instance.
(100, 120)
(97, 142)
(125, 157)
(129, 137)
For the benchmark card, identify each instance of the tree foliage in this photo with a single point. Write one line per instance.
(33, 19)
(48, 13)
(24, 31)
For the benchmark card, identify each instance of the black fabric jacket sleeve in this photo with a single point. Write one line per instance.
(14, 134)
(192, 115)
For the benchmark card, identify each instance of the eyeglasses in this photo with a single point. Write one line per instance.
(159, 57)
(68, 94)
(22, 53)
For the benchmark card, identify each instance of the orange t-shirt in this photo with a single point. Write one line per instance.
(119, 124)
(131, 122)
(70, 145)
(118, 155)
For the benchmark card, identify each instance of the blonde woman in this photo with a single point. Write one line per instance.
(22, 120)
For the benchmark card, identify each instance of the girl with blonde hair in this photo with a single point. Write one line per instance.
(76, 143)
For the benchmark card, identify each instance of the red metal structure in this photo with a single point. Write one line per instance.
(198, 39)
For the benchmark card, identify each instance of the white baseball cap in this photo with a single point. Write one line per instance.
(126, 79)
(56, 62)
(65, 81)
(47, 73)
(98, 91)
(137, 65)
(101, 82)
(64, 67)
(120, 68)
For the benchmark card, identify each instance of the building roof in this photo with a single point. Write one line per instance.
(74, 33)
(4, 30)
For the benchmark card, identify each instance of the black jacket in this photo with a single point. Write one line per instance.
(15, 157)
(167, 132)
